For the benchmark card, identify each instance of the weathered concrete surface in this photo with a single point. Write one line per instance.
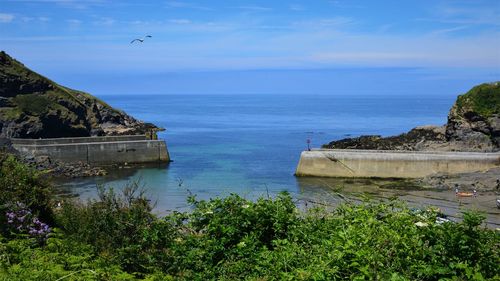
(97, 150)
(391, 164)
(76, 140)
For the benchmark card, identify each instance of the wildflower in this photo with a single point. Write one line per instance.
(22, 221)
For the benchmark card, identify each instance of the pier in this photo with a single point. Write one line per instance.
(391, 164)
(97, 151)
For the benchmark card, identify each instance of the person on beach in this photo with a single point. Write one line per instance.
(456, 189)
(498, 184)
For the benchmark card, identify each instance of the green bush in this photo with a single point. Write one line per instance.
(119, 226)
(34, 104)
(60, 258)
(20, 184)
(116, 237)
(226, 234)
(483, 99)
(233, 239)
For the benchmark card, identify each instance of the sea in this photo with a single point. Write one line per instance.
(250, 144)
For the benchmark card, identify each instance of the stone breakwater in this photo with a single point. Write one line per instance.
(391, 164)
(96, 151)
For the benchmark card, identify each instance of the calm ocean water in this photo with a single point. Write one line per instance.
(250, 144)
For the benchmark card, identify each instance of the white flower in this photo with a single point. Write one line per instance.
(421, 224)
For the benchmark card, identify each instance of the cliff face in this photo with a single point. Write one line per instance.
(474, 119)
(473, 125)
(32, 106)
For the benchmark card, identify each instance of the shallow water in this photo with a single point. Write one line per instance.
(250, 144)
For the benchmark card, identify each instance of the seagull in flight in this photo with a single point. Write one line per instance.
(141, 39)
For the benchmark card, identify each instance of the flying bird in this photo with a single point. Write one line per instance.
(141, 39)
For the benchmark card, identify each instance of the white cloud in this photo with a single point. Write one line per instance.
(297, 7)
(346, 4)
(325, 23)
(6, 18)
(74, 21)
(254, 8)
(74, 4)
(434, 50)
(449, 30)
(186, 5)
(366, 56)
(179, 21)
(27, 19)
(105, 21)
(466, 15)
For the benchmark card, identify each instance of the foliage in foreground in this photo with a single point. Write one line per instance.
(116, 237)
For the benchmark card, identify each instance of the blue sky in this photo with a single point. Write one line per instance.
(87, 43)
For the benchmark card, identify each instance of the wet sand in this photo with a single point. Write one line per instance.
(331, 191)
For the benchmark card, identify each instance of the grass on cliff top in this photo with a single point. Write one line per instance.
(483, 99)
(16, 68)
(11, 66)
(36, 99)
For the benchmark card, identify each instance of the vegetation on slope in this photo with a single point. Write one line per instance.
(483, 99)
(32, 106)
(116, 237)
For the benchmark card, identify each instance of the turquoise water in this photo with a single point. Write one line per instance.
(250, 144)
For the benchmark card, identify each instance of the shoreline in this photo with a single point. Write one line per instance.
(444, 198)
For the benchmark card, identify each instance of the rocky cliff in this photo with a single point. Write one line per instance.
(474, 119)
(32, 106)
(473, 125)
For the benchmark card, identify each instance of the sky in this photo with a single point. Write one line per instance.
(233, 46)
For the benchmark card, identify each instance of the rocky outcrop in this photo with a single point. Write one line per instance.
(420, 138)
(473, 125)
(474, 119)
(32, 106)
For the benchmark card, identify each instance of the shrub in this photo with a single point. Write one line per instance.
(116, 237)
(116, 225)
(23, 185)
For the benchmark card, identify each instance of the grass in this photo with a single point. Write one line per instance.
(33, 104)
(483, 99)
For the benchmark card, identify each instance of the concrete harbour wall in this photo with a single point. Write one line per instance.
(97, 150)
(391, 164)
(76, 140)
